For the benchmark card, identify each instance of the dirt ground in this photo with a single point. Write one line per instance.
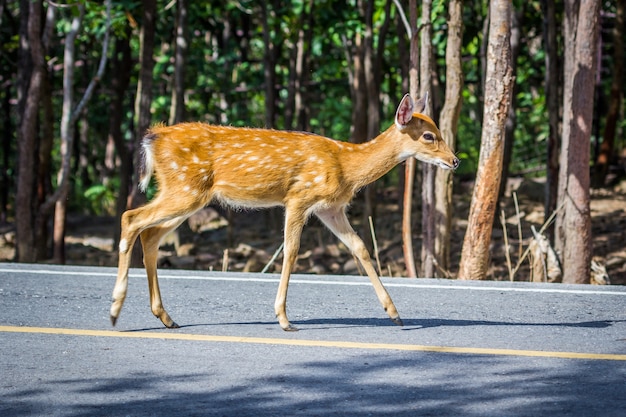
(252, 237)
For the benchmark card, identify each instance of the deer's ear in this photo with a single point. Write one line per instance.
(421, 103)
(404, 114)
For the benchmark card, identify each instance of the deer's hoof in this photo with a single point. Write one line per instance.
(397, 321)
(290, 328)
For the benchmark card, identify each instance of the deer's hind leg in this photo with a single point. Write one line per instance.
(150, 240)
(129, 234)
(162, 214)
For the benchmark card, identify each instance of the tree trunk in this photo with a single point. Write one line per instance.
(143, 102)
(67, 139)
(269, 67)
(428, 170)
(44, 182)
(511, 121)
(120, 71)
(358, 130)
(498, 89)
(409, 170)
(69, 117)
(573, 223)
(177, 110)
(295, 109)
(7, 154)
(615, 98)
(373, 112)
(44, 176)
(448, 126)
(552, 82)
(32, 71)
(143, 99)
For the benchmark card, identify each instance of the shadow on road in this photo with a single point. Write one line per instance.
(416, 384)
(409, 324)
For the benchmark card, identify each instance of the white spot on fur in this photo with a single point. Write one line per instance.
(318, 179)
(195, 159)
(174, 165)
(123, 246)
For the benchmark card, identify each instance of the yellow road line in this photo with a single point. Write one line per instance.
(312, 343)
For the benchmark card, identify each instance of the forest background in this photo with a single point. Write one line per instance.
(83, 80)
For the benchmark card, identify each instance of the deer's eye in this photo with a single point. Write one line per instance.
(429, 137)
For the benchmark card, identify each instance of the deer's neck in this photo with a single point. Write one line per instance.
(369, 161)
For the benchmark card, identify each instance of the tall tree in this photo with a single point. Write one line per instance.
(143, 98)
(67, 136)
(372, 68)
(143, 102)
(448, 123)
(120, 72)
(46, 144)
(551, 86)
(517, 15)
(30, 78)
(573, 223)
(270, 57)
(70, 114)
(498, 89)
(615, 97)
(409, 170)
(177, 109)
(428, 171)
(295, 110)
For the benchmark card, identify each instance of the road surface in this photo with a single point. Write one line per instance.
(466, 349)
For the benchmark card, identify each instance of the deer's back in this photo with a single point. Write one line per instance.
(247, 167)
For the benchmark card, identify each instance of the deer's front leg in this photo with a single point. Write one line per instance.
(337, 222)
(294, 222)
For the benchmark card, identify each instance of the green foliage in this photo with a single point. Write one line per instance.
(100, 198)
(225, 83)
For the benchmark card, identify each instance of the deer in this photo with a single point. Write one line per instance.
(195, 164)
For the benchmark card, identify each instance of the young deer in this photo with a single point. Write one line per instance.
(196, 163)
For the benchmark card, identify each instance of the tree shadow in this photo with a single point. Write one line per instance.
(405, 384)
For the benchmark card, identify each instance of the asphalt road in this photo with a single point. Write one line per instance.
(467, 348)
